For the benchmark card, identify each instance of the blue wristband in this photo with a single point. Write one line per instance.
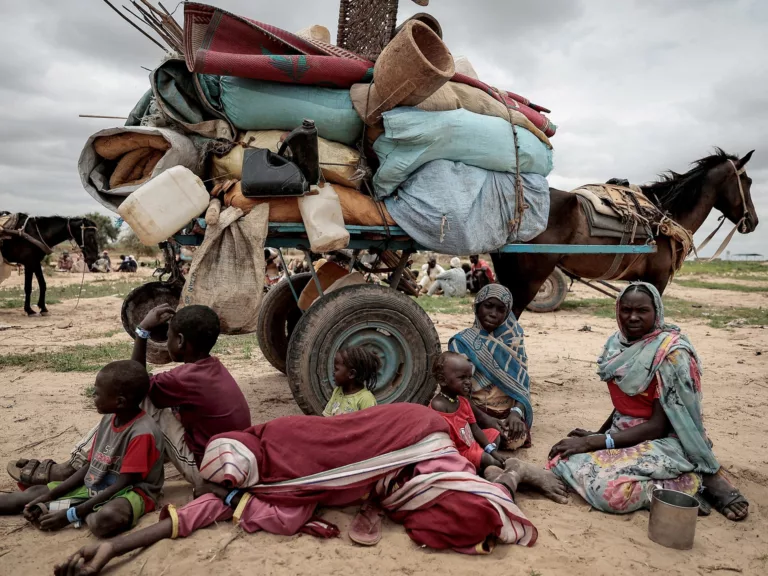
(519, 411)
(609, 443)
(490, 448)
(141, 333)
(72, 515)
(230, 496)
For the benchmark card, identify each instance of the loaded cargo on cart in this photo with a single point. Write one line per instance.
(253, 139)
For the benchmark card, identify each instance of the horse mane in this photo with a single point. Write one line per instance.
(676, 192)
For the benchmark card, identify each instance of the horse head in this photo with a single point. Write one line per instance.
(84, 232)
(734, 199)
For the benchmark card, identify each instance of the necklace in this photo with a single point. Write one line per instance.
(451, 400)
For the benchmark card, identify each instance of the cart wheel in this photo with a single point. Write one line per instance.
(278, 317)
(551, 294)
(386, 322)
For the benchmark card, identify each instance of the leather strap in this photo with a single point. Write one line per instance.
(722, 219)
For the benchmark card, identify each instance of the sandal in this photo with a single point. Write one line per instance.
(704, 508)
(733, 497)
(31, 472)
(366, 526)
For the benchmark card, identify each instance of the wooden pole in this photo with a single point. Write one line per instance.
(124, 17)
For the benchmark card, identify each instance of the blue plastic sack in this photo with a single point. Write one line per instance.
(413, 137)
(259, 105)
(453, 208)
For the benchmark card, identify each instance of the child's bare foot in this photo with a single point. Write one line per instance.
(507, 478)
(542, 480)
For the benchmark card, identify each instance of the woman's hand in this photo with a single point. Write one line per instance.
(86, 561)
(513, 427)
(580, 433)
(570, 446)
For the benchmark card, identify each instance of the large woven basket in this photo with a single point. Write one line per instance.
(367, 26)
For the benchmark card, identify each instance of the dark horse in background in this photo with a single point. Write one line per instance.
(45, 233)
(713, 183)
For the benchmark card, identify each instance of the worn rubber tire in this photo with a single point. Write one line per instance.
(278, 317)
(374, 314)
(551, 294)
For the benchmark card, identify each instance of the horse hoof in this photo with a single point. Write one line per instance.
(44, 313)
(32, 313)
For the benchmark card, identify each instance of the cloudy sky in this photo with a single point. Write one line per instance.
(636, 87)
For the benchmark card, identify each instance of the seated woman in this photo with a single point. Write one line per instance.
(655, 435)
(495, 345)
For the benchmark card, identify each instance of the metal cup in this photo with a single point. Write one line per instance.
(673, 519)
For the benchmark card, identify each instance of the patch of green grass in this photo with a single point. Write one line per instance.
(14, 303)
(241, 345)
(78, 358)
(725, 268)
(55, 294)
(721, 286)
(676, 310)
(445, 305)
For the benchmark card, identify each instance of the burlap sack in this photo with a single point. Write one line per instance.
(227, 272)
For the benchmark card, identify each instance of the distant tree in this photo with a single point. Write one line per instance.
(107, 232)
(132, 245)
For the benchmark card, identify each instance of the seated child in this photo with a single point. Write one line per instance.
(354, 373)
(453, 373)
(123, 475)
(202, 393)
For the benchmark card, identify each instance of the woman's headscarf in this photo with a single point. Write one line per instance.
(667, 353)
(499, 357)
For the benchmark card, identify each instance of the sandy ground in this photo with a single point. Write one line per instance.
(43, 414)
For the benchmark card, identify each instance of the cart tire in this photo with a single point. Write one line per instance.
(278, 317)
(389, 323)
(551, 294)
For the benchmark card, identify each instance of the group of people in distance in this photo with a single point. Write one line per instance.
(423, 467)
(76, 264)
(459, 279)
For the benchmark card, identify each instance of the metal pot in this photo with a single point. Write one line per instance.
(673, 519)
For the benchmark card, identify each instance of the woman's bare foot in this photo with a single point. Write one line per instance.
(542, 480)
(725, 497)
(508, 479)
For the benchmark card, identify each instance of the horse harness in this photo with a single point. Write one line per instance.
(744, 216)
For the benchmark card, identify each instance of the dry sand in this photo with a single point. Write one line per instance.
(51, 411)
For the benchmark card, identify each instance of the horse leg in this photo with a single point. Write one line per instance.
(523, 275)
(42, 285)
(28, 272)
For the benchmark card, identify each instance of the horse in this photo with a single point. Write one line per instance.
(716, 182)
(33, 241)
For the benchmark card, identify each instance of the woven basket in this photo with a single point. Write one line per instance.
(366, 26)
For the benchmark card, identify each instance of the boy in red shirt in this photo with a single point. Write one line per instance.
(123, 474)
(190, 403)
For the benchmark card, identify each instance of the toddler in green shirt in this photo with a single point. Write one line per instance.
(354, 373)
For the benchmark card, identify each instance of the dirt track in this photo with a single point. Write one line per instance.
(52, 408)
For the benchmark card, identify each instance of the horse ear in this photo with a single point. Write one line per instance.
(743, 162)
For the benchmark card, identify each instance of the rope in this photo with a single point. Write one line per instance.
(521, 206)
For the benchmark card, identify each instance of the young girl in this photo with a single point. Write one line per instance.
(453, 373)
(354, 373)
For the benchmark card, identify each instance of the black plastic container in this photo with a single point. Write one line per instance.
(302, 144)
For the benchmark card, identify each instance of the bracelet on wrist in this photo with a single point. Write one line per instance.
(490, 448)
(141, 333)
(72, 515)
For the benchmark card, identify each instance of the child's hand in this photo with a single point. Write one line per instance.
(499, 459)
(157, 316)
(32, 512)
(86, 561)
(54, 521)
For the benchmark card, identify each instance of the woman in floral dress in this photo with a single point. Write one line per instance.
(655, 435)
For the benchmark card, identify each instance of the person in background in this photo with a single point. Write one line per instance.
(430, 271)
(273, 268)
(78, 264)
(481, 272)
(103, 264)
(452, 283)
(65, 262)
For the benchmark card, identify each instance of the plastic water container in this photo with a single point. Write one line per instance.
(323, 219)
(164, 205)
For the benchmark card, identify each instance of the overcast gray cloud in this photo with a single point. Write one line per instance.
(636, 87)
